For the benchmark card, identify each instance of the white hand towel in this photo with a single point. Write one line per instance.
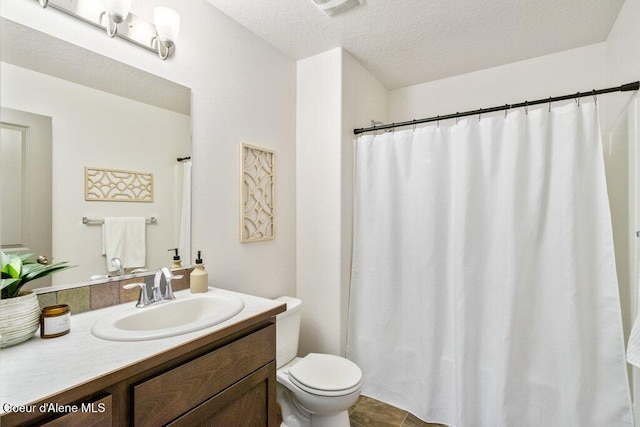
(124, 238)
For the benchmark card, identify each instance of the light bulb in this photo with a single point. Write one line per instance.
(118, 10)
(167, 22)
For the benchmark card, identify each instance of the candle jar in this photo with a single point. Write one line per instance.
(55, 321)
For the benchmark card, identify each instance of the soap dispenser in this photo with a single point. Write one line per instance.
(176, 264)
(199, 278)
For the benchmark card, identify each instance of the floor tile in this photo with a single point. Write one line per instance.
(355, 404)
(413, 421)
(370, 412)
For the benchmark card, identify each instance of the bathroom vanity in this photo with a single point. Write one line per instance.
(220, 375)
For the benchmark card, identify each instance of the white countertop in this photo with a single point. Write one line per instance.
(39, 368)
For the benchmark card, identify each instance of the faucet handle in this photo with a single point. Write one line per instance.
(168, 290)
(143, 298)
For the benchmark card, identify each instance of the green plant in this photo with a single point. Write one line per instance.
(17, 271)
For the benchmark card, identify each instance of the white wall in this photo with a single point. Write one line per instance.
(243, 90)
(318, 181)
(622, 59)
(335, 94)
(551, 75)
(133, 136)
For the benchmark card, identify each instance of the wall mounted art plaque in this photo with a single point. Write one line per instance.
(257, 169)
(113, 185)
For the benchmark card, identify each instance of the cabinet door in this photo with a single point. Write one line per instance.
(248, 403)
(179, 390)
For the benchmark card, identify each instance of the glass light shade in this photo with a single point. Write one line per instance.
(117, 7)
(167, 22)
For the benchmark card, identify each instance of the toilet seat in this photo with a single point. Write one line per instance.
(326, 375)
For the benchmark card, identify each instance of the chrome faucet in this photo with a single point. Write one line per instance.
(157, 279)
(143, 299)
(117, 264)
(157, 296)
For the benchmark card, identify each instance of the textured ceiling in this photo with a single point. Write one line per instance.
(405, 42)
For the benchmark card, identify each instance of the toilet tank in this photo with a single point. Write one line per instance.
(287, 331)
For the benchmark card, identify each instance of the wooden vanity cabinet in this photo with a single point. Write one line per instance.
(92, 413)
(195, 385)
(216, 380)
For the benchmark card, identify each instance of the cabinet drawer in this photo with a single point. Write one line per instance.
(246, 403)
(92, 413)
(171, 394)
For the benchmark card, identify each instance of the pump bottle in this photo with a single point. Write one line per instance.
(176, 264)
(199, 278)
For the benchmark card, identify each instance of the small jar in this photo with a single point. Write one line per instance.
(55, 321)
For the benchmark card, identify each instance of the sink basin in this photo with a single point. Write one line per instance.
(187, 313)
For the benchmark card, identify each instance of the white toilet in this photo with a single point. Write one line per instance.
(318, 389)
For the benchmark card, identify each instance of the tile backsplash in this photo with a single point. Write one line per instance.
(100, 295)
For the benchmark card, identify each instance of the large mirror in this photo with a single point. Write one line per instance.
(66, 109)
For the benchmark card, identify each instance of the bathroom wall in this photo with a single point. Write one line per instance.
(83, 119)
(335, 93)
(318, 161)
(557, 74)
(622, 59)
(243, 90)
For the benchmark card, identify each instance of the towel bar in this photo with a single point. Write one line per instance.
(85, 220)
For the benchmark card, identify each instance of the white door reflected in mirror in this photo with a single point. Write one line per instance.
(25, 173)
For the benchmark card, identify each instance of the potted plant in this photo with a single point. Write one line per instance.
(20, 310)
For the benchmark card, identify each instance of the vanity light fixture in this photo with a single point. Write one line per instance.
(167, 23)
(116, 11)
(114, 17)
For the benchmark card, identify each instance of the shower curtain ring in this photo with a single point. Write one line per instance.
(480, 114)
(578, 99)
(526, 107)
(457, 116)
(595, 97)
(549, 104)
(438, 121)
(506, 110)
(414, 125)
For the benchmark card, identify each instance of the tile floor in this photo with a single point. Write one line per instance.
(368, 412)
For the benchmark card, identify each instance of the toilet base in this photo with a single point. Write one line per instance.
(339, 420)
(294, 415)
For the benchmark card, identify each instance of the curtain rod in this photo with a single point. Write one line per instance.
(624, 88)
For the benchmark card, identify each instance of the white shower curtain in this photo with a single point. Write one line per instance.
(185, 215)
(484, 290)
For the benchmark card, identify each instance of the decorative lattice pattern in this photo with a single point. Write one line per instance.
(257, 202)
(112, 185)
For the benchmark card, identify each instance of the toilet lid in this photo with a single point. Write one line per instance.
(326, 372)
